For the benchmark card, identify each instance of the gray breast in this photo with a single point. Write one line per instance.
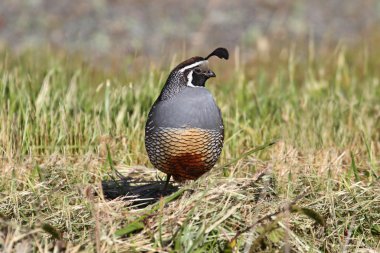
(192, 107)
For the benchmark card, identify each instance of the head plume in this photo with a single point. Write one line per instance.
(221, 52)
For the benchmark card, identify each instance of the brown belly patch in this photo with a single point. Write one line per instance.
(184, 153)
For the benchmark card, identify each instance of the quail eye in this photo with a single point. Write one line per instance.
(197, 70)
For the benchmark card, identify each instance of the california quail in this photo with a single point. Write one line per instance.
(184, 132)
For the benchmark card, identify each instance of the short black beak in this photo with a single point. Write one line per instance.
(210, 74)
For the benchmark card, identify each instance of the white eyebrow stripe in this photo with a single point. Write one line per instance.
(191, 66)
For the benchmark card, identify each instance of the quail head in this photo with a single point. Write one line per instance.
(184, 132)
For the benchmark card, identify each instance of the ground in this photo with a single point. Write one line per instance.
(299, 170)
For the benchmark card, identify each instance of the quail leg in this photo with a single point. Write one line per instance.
(167, 182)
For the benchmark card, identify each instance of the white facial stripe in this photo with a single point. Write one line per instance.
(191, 66)
(190, 79)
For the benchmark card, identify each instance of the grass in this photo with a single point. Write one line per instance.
(59, 114)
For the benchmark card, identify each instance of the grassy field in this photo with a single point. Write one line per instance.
(317, 189)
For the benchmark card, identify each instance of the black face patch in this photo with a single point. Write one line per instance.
(199, 79)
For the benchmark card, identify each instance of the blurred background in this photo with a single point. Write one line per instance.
(103, 29)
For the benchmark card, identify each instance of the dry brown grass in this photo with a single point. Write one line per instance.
(53, 151)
